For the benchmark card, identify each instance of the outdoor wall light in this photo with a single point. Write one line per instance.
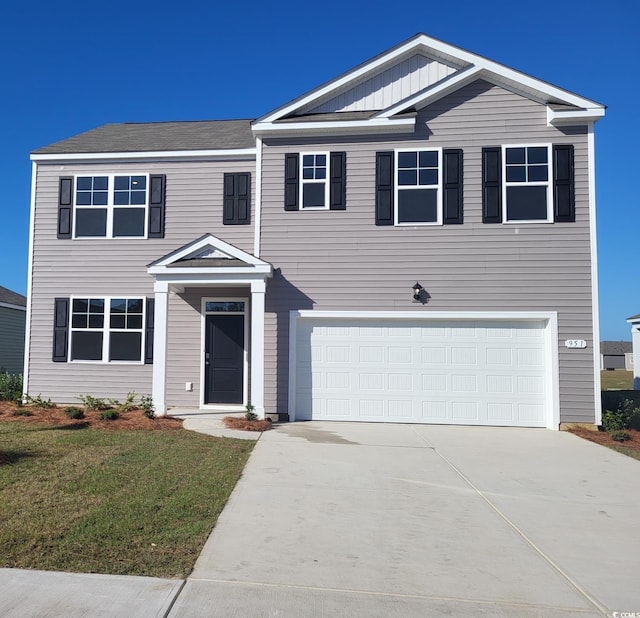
(417, 291)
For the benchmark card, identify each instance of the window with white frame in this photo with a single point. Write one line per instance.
(107, 329)
(418, 187)
(314, 188)
(527, 183)
(110, 206)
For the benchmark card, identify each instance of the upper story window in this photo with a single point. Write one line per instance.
(110, 206)
(418, 187)
(527, 183)
(314, 188)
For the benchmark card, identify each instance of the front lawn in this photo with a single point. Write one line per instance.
(106, 500)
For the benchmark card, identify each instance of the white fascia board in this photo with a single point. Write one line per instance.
(431, 315)
(214, 243)
(432, 93)
(10, 306)
(633, 321)
(372, 125)
(556, 118)
(199, 279)
(173, 273)
(236, 153)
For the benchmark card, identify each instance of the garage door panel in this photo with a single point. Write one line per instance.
(444, 371)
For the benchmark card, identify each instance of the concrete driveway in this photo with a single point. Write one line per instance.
(346, 519)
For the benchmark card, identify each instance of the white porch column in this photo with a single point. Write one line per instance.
(161, 290)
(257, 347)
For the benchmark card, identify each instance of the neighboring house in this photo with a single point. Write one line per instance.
(634, 320)
(616, 355)
(13, 311)
(275, 261)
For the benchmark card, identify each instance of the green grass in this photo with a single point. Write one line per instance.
(619, 380)
(110, 501)
(625, 450)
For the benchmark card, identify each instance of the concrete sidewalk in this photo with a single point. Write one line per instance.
(347, 519)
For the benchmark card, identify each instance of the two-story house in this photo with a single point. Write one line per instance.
(413, 241)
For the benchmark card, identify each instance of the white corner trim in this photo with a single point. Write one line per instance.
(257, 219)
(435, 91)
(553, 374)
(591, 153)
(27, 338)
(293, 334)
(235, 153)
(159, 371)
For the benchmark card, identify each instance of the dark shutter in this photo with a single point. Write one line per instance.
(384, 188)
(491, 185)
(60, 330)
(564, 203)
(236, 206)
(65, 207)
(291, 165)
(148, 332)
(338, 180)
(156, 205)
(452, 186)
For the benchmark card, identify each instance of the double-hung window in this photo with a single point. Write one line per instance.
(111, 206)
(418, 187)
(107, 329)
(527, 183)
(314, 188)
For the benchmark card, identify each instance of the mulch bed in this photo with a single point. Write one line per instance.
(602, 437)
(239, 422)
(134, 419)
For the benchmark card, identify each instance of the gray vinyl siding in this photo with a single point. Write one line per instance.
(12, 329)
(116, 267)
(340, 260)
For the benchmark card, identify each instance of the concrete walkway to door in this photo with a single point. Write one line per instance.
(347, 519)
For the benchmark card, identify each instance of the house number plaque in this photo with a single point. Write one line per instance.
(575, 343)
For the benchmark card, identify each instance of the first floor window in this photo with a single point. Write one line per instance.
(418, 187)
(527, 186)
(107, 329)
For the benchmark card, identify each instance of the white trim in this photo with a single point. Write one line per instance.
(245, 352)
(10, 306)
(357, 127)
(558, 118)
(258, 289)
(166, 155)
(551, 341)
(591, 153)
(437, 50)
(27, 339)
(548, 183)
(438, 188)
(436, 91)
(314, 181)
(159, 370)
(257, 222)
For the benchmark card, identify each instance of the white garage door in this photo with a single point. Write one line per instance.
(472, 372)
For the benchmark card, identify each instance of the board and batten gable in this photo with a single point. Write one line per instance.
(118, 267)
(340, 260)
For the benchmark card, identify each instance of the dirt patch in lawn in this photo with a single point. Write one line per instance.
(602, 437)
(133, 419)
(239, 422)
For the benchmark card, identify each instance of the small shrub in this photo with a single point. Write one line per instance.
(94, 403)
(74, 413)
(38, 402)
(109, 415)
(627, 416)
(22, 412)
(620, 435)
(10, 386)
(146, 405)
(612, 421)
(250, 415)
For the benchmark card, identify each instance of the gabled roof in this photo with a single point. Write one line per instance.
(410, 76)
(615, 348)
(7, 297)
(157, 137)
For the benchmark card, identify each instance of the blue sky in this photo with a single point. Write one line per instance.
(69, 66)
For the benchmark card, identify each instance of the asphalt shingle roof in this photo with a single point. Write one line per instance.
(157, 136)
(615, 347)
(12, 298)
